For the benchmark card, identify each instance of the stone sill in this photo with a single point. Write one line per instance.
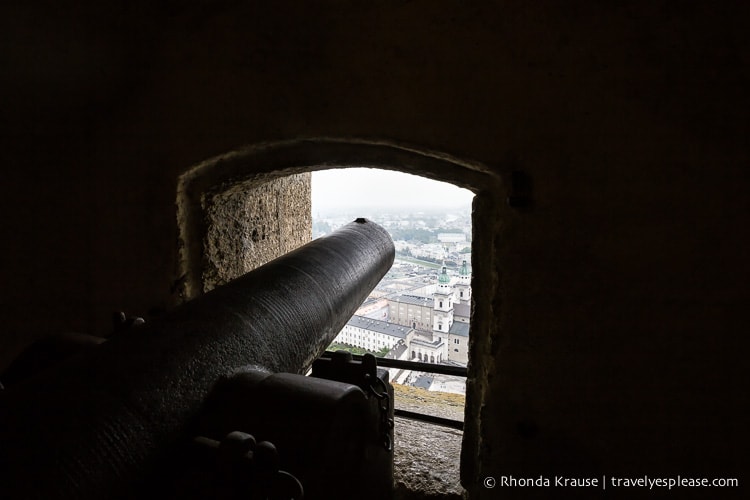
(426, 461)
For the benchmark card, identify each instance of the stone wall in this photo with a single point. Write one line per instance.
(248, 225)
(607, 334)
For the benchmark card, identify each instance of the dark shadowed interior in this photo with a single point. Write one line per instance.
(606, 146)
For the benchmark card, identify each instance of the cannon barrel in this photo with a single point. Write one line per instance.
(95, 425)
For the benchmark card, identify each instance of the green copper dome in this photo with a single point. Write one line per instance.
(464, 269)
(443, 279)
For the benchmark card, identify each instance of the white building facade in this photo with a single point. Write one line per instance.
(371, 334)
(428, 330)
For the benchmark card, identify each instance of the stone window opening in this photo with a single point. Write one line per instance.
(275, 178)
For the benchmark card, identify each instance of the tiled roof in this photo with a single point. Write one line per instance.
(460, 329)
(412, 299)
(463, 310)
(375, 325)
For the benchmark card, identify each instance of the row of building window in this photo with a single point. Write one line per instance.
(424, 358)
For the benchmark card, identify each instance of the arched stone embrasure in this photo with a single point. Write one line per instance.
(266, 166)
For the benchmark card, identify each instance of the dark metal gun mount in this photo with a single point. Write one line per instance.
(96, 425)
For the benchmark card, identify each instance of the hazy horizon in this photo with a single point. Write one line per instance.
(374, 189)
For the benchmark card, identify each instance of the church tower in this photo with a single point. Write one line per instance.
(442, 314)
(463, 286)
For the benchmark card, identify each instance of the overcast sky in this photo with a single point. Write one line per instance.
(370, 187)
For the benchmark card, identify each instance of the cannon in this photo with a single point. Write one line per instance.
(112, 422)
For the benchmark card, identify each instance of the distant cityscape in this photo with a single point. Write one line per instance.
(420, 310)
